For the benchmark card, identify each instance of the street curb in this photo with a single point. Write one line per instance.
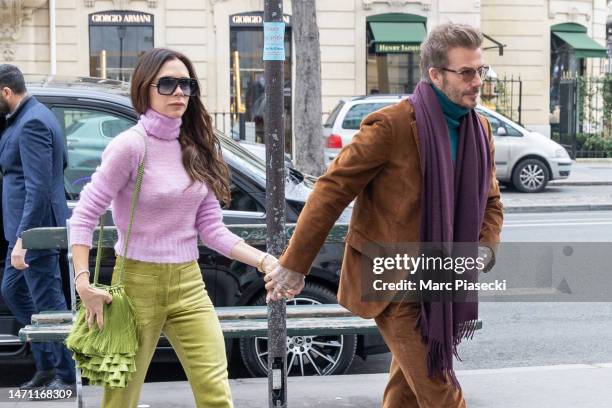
(594, 160)
(580, 183)
(557, 208)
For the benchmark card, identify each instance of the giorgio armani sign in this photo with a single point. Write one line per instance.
(253, 19)
(121, 17)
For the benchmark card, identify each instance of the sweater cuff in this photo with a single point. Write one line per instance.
(224, 246)
(81, 236)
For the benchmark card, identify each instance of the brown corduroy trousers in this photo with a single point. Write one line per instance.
(409, 385)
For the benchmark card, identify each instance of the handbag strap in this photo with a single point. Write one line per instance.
(135, 195)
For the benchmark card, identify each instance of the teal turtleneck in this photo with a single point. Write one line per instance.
(453, 114)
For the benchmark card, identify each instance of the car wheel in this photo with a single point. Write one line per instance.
(530, 176)
(306, 355)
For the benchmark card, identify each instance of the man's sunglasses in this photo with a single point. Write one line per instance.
(468, 74)
(167, 85)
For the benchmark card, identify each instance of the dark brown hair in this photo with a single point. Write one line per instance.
(201, 148)
(435, 48)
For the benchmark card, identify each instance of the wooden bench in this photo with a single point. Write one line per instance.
(236, 322)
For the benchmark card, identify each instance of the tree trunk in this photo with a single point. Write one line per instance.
(308, 130)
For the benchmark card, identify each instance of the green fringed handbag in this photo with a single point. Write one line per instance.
(107, 357)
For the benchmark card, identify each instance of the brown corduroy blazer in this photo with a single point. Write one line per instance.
(381, 168)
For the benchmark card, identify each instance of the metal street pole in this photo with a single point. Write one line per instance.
(274, 130)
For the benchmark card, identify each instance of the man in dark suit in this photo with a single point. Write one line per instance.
(421, 170)
(32, 161)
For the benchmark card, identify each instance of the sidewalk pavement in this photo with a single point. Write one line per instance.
(588, 172)
(558, 200)
(568, 194)
(563, 386)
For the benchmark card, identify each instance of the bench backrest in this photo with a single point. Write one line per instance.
(254, 234)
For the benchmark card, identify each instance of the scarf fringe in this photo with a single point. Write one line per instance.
(439, 362)
(466, 331)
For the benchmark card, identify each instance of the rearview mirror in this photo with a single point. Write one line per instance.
(501, 131)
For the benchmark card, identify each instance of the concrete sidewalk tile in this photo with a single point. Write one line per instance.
(558, 386)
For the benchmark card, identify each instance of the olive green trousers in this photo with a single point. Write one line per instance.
(171, 298)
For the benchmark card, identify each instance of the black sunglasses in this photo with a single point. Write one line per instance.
(167, 85)
(468, 74)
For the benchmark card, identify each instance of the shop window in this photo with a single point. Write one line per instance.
(570, 46)
(247, 99)
(117, 39)
(393, 52)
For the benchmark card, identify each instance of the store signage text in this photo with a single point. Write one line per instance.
(396, 48)
(118, 18)
(253, 19)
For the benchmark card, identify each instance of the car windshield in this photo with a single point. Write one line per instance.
(511, 128)
(241, 157)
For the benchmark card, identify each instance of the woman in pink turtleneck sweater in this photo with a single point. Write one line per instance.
(184, 177)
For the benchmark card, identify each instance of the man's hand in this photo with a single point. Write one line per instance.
(283, 283)
(18, 256)
(488, 257)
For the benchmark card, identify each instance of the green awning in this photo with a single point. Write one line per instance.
(583, 45)
(576, 37)
(394, 37)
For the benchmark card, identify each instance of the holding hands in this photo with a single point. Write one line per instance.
(267, 263)
(281, 283)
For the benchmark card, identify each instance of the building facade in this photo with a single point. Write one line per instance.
(366, 45)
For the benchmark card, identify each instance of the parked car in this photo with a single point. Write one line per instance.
(259, 150)
(92, 112)
(525, 160)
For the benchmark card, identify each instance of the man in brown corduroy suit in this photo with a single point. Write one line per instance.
(381, 168)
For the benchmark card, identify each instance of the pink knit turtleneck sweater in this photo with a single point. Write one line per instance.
(169, 216)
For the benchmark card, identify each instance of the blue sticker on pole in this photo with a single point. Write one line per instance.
(274, 41)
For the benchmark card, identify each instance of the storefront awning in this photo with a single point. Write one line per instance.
(396, 32)
(576, 37)
(397, 37)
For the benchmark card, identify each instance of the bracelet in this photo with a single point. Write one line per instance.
(260, 263)
(80, 273)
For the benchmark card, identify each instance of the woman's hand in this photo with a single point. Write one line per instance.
(269, 263)
(93, 300)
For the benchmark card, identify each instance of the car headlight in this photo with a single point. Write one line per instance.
(561, 153)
